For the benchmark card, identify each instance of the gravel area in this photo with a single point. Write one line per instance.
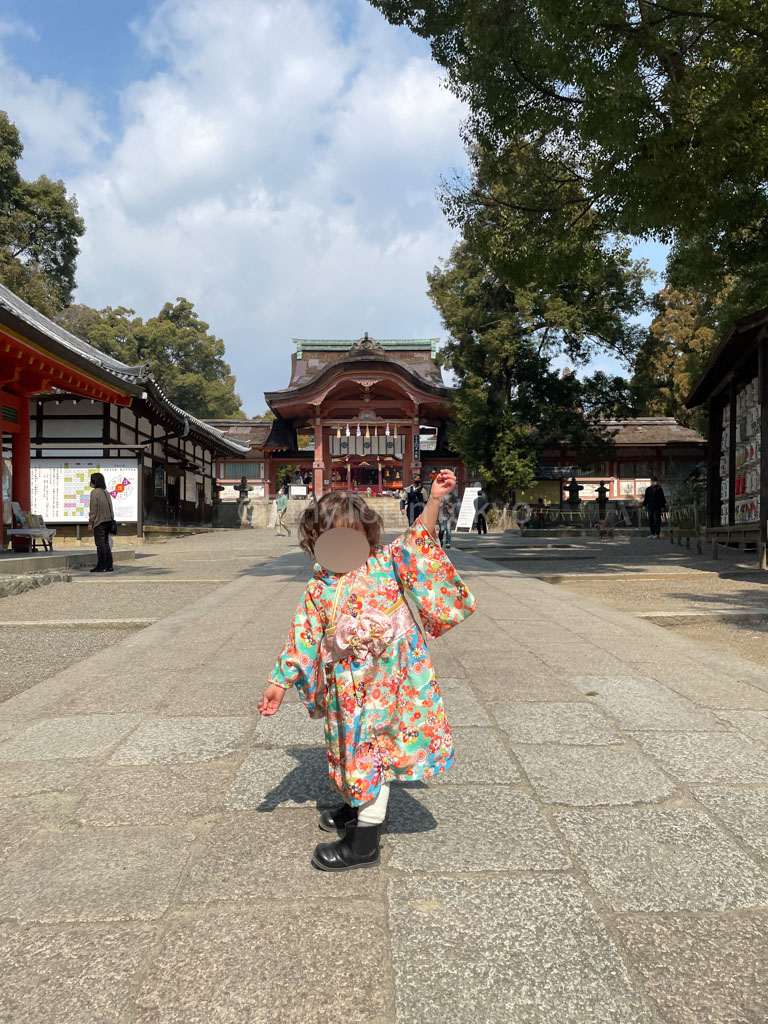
(166, 577)
(85, 600)
(28, 656)
(746, 639)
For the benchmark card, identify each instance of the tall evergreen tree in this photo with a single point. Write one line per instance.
(187, 361)
(39, 231)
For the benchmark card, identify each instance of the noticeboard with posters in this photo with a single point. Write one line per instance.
(61, 491)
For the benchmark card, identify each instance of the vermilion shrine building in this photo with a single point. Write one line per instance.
(357, 414)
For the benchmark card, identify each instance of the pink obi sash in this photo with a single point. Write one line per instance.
(369, 633)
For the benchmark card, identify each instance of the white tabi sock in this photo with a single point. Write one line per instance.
(374, 812)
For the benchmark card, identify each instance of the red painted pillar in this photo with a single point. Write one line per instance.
(318, 465)
(20, 454)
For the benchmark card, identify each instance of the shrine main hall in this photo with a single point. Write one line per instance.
(356, 414)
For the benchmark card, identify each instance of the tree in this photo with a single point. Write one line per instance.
(655, 109)
(680, 340)
(184, 358)
(510, 402)
(39, 231)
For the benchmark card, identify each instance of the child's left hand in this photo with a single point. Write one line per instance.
(272, 699)
(444, 483)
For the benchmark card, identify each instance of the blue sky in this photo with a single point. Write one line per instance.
(275, 162)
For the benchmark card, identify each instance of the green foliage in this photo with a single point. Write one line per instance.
(185, 359)
(39, 231)
(680, 340)
(656, 111)
(510, 402)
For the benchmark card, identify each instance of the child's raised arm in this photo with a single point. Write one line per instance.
(442, 486)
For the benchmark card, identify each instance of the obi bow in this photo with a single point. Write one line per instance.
(357, 637)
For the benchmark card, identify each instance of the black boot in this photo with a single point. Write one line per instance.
(358, 849)
(336, 820)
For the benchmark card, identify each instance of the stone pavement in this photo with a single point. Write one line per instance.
(599, 853)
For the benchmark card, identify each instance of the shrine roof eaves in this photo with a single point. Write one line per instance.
(131, 380)
(344, 344)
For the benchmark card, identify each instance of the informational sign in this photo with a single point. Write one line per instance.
(61, 491)
(466, 515)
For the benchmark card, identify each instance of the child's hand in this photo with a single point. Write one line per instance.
(444, 483)
(272, 699)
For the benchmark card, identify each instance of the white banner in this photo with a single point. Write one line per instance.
(61, 491)
(466, 516)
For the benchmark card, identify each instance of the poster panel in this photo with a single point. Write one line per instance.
(61, 492)
(466, 515)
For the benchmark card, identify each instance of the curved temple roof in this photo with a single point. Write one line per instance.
(29, 323)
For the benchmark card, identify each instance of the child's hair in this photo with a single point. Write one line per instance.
(339, 508)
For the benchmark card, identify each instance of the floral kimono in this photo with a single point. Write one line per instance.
(360, 661)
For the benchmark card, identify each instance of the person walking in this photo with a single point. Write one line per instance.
(282, 510)
(654, 503)
(445, 519)
(101, 516)
(360, 662)
(414, 502)
(480, 519)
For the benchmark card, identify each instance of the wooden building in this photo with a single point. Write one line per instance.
(69, 410)
(734, 389)
(372, 414)
(642, 446)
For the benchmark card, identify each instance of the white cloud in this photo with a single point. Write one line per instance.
(59, 125)
(279, 172)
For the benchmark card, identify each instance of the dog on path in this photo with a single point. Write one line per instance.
(603, 529)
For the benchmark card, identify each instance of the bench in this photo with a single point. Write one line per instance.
(27, 524)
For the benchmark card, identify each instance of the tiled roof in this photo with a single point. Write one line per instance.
(343, 344)
(33, 318)
(247, 432)
(135, 380)
(657, 430)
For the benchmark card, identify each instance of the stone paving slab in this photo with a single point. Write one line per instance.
(95, 875)
(81, 973)
(480, 760)
(555, 723)
(76, 736)
(271, 963)
(707, 757)
(154, 794)
(246, 852)
(583, 776)
(462, 706)
(525, 688)
(182, 740)
(649, 860)
(29, 778)
(701, 970)
(752, 723)
(20, 818)
(469, 828)
(743, 811)
(501, 950)
(642, 703)
(291, 727)
(272, 778)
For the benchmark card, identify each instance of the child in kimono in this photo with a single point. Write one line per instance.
(360, 662)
